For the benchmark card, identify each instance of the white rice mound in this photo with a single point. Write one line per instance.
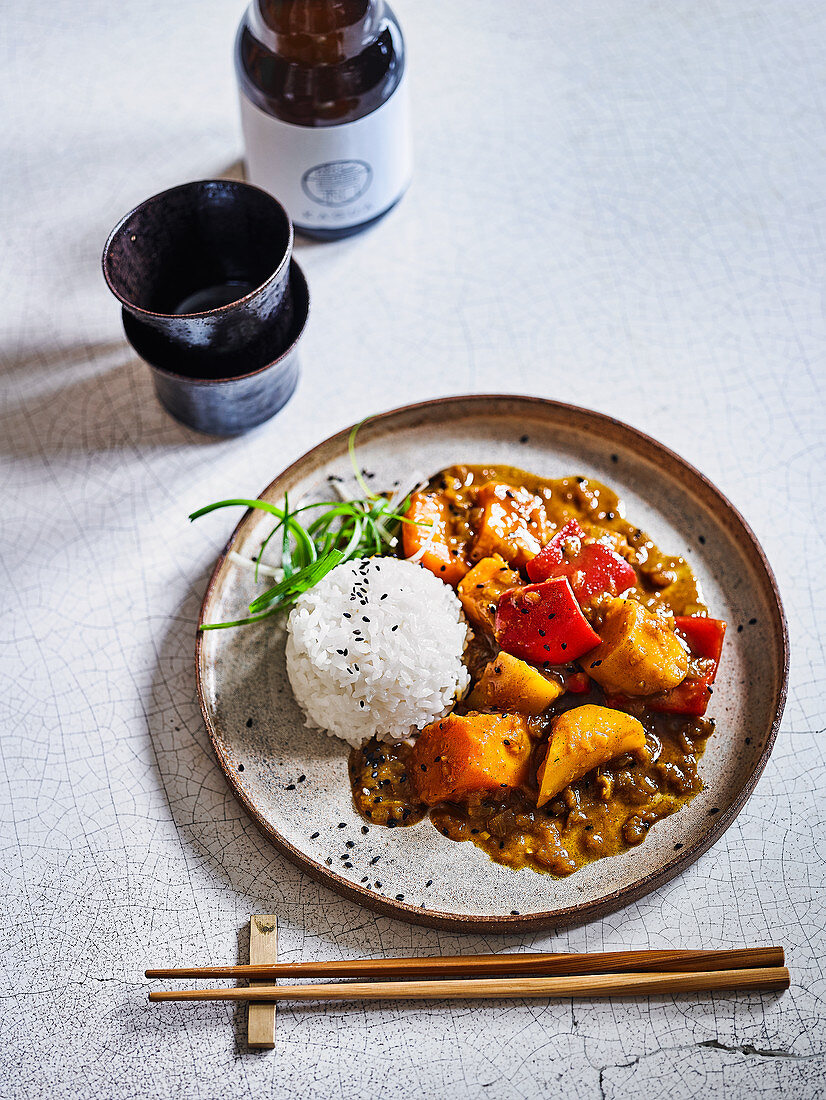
(375, 648)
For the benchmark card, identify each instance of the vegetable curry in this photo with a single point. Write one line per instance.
(592, 659)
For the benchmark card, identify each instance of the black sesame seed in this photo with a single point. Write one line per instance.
(740, 629)
(514, 912)
(595, 664)
(329, 861)
(541, 633)
(429, 882)
(364, 830)
(501, 845)
(716, 810)
(301, 778)
(290, 787)
(552, 615)
(374, 860)
(615, 458)
(506, 742)
(399, 897)
(379, 885)
(347, 864)
(391, 824)
(748, 740)
(442, 568)
(365, 879)
(314, 836)
(547, 648)
(702, 540)
(342, 824)
(240, 767)
(523, 439)
(752, 622)
(677, 847)
(347, 615)
(396, 627)
(563, 645)
(350, 844)
(249, 723)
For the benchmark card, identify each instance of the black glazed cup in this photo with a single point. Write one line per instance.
(211, 299)
(233, 405)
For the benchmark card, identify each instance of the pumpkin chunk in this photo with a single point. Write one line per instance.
(428, 530)
(582, 739)
(461, 755)
(510, 684)
(637, 654)
(480, 589)
(514, 524)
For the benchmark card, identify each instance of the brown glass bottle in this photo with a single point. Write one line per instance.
(324, 110)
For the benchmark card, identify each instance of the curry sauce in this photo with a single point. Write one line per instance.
(613, 806)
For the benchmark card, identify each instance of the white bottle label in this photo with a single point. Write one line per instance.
(331, 177)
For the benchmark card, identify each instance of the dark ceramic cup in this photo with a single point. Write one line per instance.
(211, 300)
(233, 405)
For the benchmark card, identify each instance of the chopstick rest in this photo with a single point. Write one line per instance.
(263, 950)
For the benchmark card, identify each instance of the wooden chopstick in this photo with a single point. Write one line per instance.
(446, 966)
(761, 979)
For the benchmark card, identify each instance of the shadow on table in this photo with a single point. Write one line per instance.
(84, 399)
(228, 846)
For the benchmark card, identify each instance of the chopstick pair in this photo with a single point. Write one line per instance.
(612, 973)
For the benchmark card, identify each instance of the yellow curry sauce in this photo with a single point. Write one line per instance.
(610, 808)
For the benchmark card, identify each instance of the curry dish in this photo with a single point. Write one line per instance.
(592, 659)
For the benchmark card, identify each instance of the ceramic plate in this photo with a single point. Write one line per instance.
(293, 781)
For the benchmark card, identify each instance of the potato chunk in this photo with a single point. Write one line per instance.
(480, 589)
(510, 684)
(582, 739)
(637, 654)
(463, 754)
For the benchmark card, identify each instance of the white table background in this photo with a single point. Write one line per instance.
(616, 203)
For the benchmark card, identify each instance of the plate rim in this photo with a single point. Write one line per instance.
(570, 915)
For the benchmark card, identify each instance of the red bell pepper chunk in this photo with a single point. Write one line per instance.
(704, 636)
(705, 640)
(578, 683)
(543, 623)
(592, 570)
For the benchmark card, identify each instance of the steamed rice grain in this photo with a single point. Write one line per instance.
(375, 648)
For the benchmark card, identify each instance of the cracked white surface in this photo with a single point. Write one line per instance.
(615, 204)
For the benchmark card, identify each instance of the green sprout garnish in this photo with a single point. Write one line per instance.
(359, 528)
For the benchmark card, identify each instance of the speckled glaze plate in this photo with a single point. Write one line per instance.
(293, 781)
